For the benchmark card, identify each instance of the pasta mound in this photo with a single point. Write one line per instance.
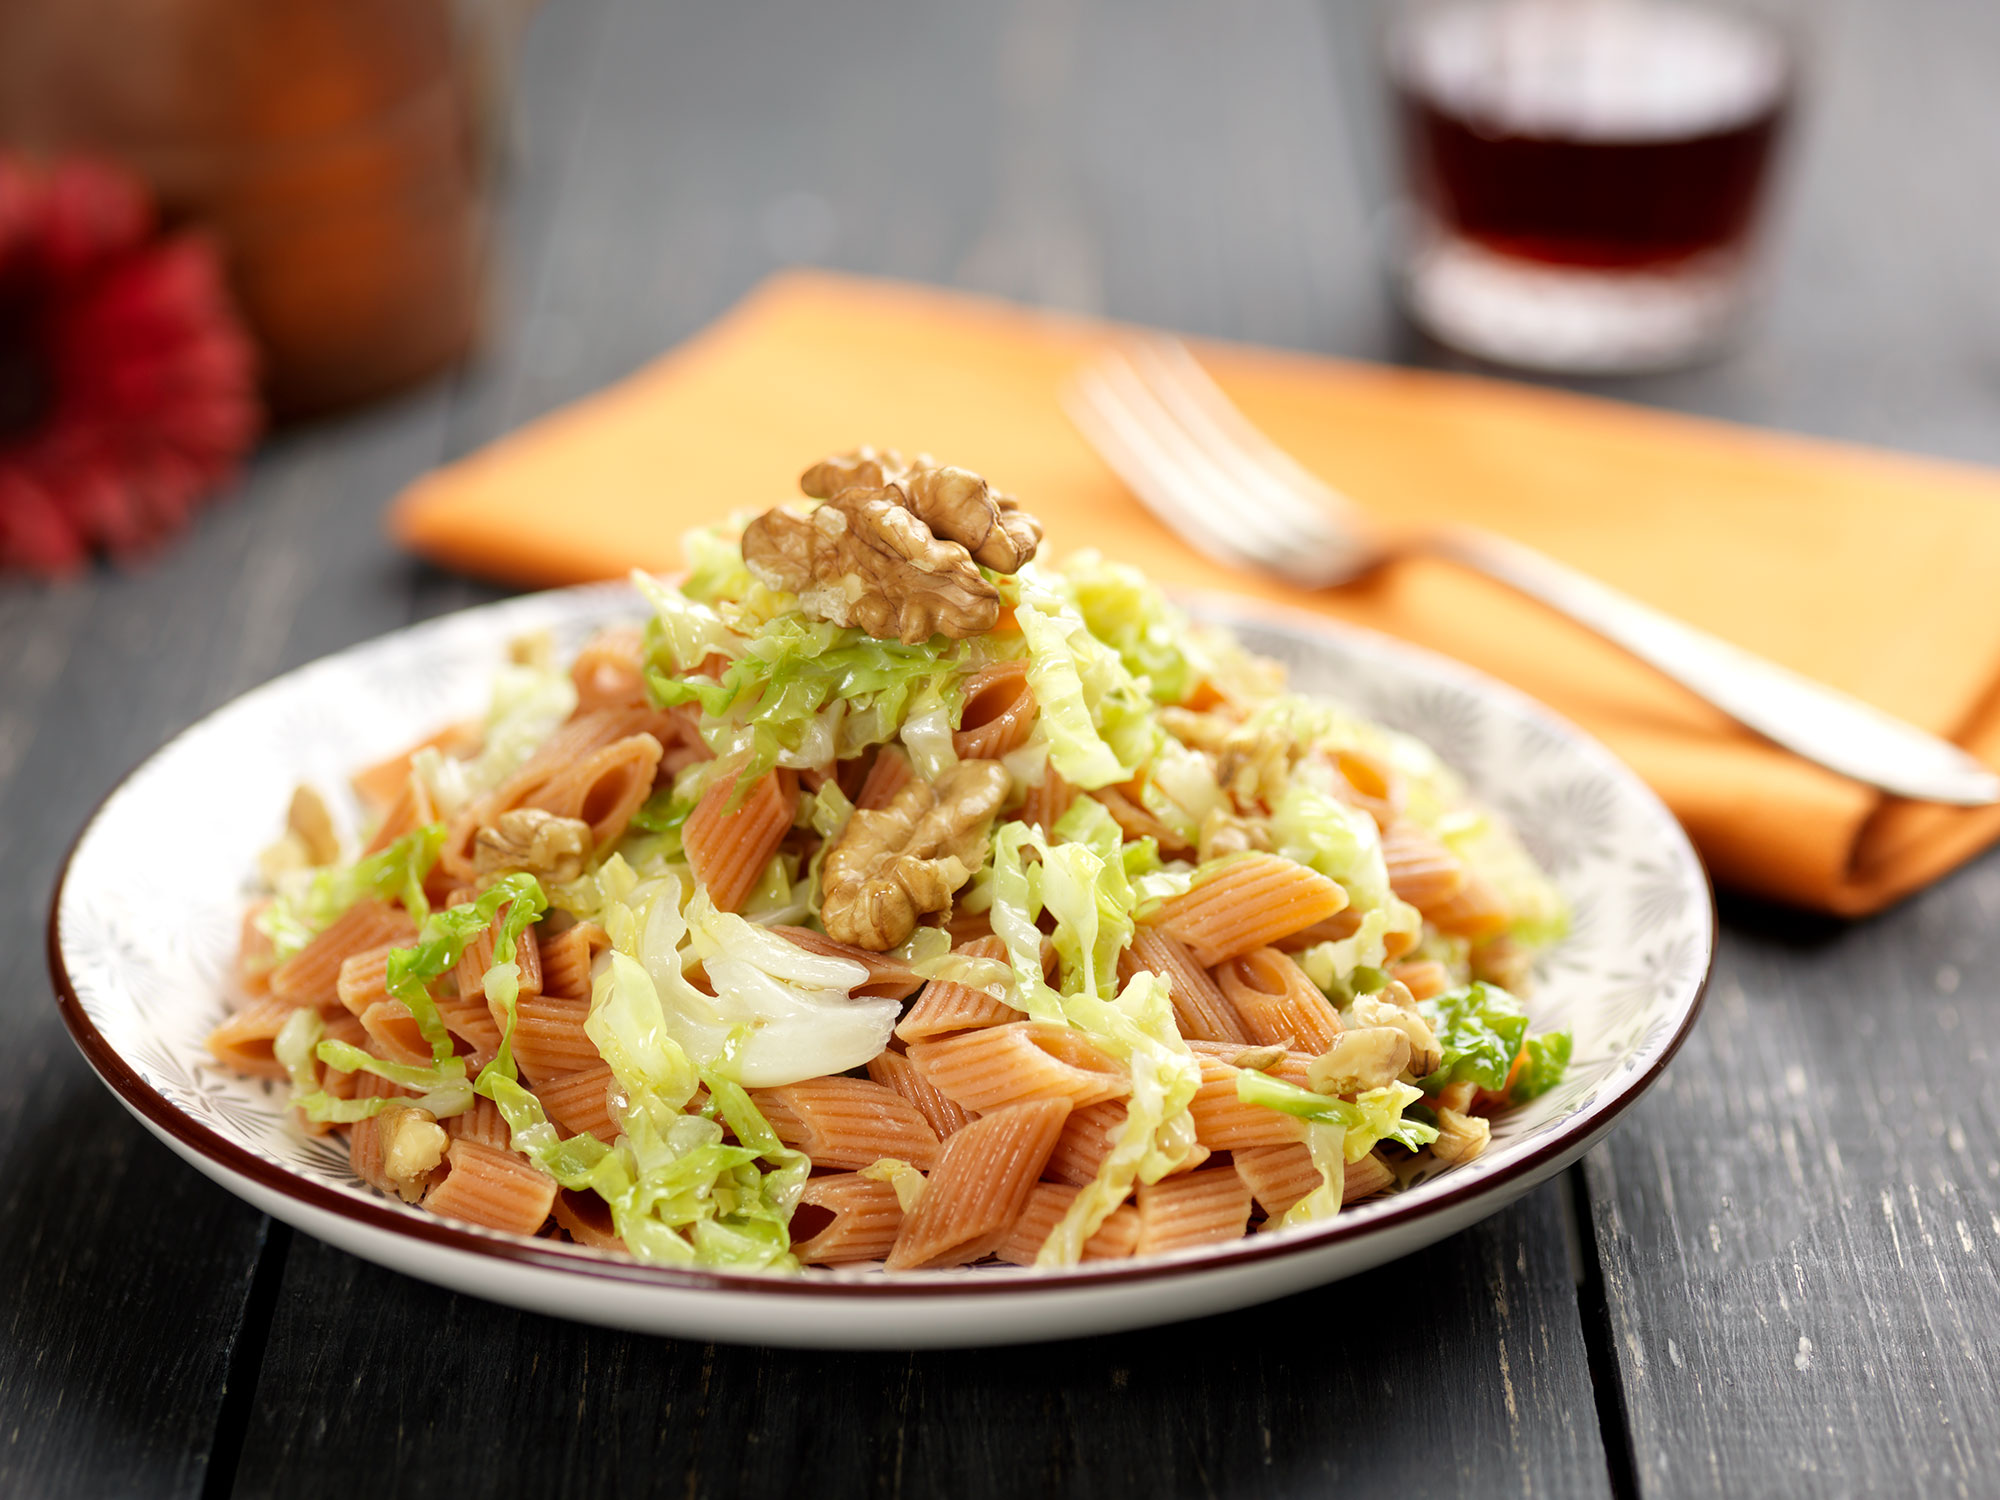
(749, 939)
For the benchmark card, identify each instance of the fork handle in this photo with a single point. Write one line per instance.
(1809, 719)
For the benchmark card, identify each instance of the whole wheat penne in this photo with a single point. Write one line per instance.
(586, 1219)
(1201, 1010)
(848, 1122)
(996, 1066)
(999, 712)
(566, 959)
(495, 1189)
(729, 842)
(1202, 1208)
(895, 1070)
(845, 1217)
(945, 1006)
(1248, 901)
(312, 975)
(1114, 1239)
(981, 1184)
(888, 976)
(1278, 1004)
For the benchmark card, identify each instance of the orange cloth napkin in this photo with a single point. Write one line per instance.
(1870, 571)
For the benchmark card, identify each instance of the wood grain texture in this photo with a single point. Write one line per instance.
(1799, 1229)
(1463, 1365)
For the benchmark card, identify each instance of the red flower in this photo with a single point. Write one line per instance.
(127, 385)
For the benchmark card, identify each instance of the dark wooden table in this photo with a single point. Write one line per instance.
(1777, 1278)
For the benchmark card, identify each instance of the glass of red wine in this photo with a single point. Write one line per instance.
(1580, 180)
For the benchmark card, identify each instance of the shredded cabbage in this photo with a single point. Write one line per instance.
(1094, 715)
(1481, 1030)
(783, 1013)
(804, 693)
(1126, 611)
(1370, 1119)
(310, 901)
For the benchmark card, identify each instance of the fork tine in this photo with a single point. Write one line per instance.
(1207, 483)
(1125, 441)
(1190, 392)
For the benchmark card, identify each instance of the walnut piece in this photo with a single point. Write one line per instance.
(895, 548)
(554, 850)
(1460, 1137)
(1383, 1011)
(954, 504)
(894, 864)
(308, 841)
(313, 824)
(413, 1143)
(1368, 1057)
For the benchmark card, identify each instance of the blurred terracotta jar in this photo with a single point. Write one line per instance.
(338, 149)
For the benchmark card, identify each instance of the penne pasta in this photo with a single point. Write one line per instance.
(888, 976)
(985, 1174)
(312, 975)
(1115, 1238)
(894, 1070)
(1280, 1007)
(849, 1122)
(586, 1219)
(999, 712)
(494, 1189)
(945, 1007)
(1202, 1208)
(997, 1066)
(845, 1217)
(1047, 801)
(1201, 1010)
(567, 957)
(580, 1102)
(243, 1042)
(610, 670)
(1248, 901)
(887, 776)
(729, 843)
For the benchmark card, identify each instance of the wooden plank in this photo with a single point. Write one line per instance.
(1799, 1229)
(1463, 1365)
(129, 1274)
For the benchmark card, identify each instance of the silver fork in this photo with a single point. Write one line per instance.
(1202, 468)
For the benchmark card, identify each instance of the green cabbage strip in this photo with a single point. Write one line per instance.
(441, 942)
(1480, 1030)
(803, 692)
(1543, 1069)
(1327, 1145)
(1096, 717)
(1371, 1118)
(1337, 1132)
(301, 913)
(679, 1192)
(1130, 614)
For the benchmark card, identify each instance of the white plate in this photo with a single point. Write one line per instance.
(145, 919)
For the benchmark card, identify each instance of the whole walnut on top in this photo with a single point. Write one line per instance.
(895, 548)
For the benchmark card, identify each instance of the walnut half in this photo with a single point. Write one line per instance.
(862, 559)
(895, 864)
(896, 548)
(554, 850)
(955, 504)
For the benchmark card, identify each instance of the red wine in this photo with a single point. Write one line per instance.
(1610, 134)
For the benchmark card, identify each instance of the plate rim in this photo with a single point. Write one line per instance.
(1381, 1217)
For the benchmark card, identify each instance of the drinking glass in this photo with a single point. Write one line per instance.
(1576, 185)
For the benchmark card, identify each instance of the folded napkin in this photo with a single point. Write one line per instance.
(1870, 571)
